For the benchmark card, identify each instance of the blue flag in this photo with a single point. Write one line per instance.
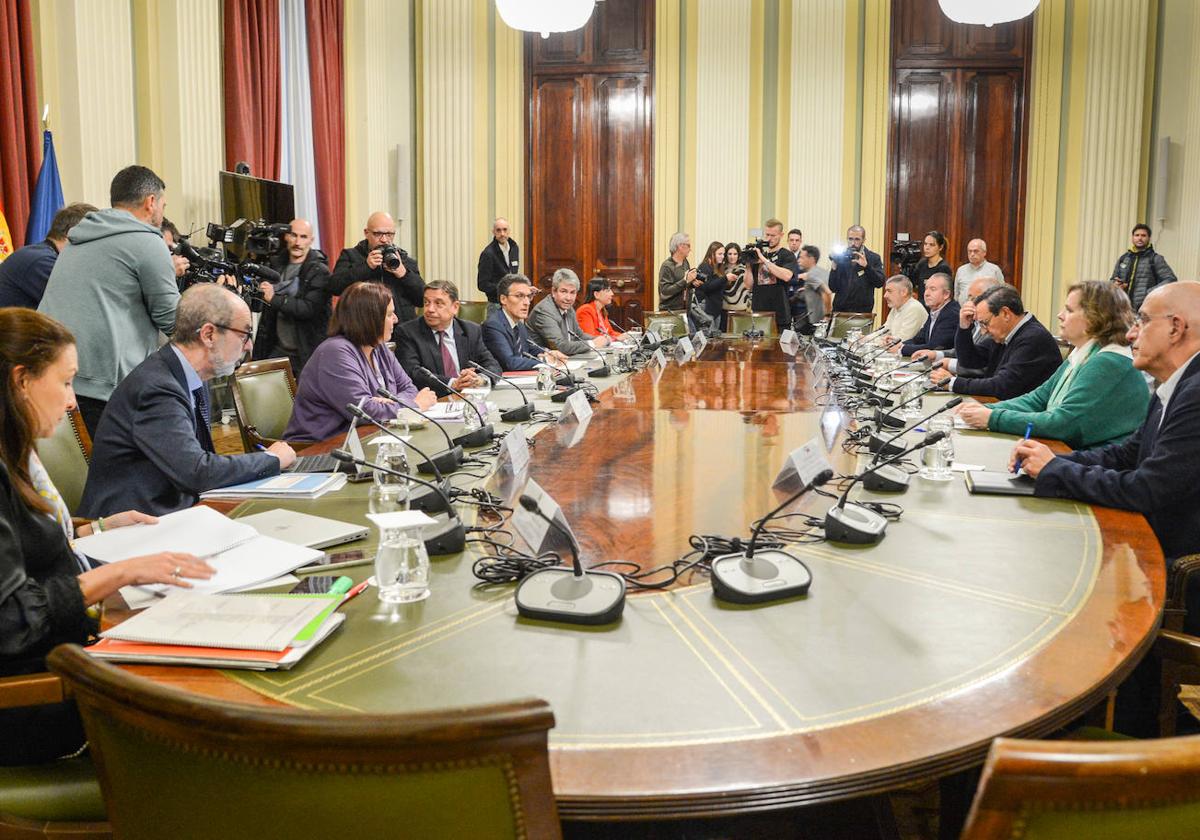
(47, 195)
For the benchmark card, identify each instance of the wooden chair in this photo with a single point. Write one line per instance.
(56, 799)
(842, 322)
(474, 311)
(264, 394)
(1178, 652)
(740, 322)
(174, 764)
(1097, 790)
(66, 455)
(655, 320)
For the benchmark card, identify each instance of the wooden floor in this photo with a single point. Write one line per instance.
(227, 439)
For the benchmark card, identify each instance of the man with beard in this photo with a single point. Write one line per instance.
(295, 314)
(153, 450)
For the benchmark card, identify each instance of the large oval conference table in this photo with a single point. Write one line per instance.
(975, 616)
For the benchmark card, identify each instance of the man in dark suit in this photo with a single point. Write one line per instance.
(1025, 354)
(505, 333)
(442, 343)
(365, 262)
(857, 273)
(153, 450)
(501, 256)
(942, 324)
(1154, 471)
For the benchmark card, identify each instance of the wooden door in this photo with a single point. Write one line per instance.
(958, 133)
(590, 153)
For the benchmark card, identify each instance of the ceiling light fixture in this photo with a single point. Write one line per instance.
(545, 16)
(987, 12)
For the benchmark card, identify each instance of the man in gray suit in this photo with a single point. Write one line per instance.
(153, 450)
(553, 323)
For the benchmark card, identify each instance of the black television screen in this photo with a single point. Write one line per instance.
(252, 199)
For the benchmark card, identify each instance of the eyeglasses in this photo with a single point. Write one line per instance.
(382, 234)
(1143, 318)
(982, 322)
(246, 335)
(520, 295)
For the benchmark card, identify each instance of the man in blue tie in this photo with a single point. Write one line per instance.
(153, 450)
(505, 332)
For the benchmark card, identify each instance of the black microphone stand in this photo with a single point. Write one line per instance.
(430, 502)
(478, 437)
(519, 414)
(447, 461)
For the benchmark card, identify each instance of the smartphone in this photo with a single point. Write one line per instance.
(314, 585)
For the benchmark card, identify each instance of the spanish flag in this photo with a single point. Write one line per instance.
(6, 244)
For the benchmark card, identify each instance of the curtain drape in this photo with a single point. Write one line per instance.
(19, 120)
(251, 48)
(329, 153)
(296, 162)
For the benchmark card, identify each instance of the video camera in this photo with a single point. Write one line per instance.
(259, 241)
(745, 257)
(905, 253)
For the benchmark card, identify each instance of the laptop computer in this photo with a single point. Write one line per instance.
(303, 528)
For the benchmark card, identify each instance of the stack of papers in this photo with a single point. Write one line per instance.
(259, 632)
(286, 486)
(446, 411)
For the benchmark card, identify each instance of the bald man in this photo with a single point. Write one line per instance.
(1154, 472)
(976, 266)
(499, 257)
(295, 312)
(365, 262)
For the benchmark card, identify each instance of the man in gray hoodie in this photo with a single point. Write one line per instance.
(115, 288)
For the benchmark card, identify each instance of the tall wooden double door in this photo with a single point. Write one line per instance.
(590, 165)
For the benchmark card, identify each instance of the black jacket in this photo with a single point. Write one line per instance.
(945, 328)
(408, 292)
(713, 292)
(922, 271)
(417, 346)
(492, 267)
(1011, 369)
(308, 309)
(853, 287)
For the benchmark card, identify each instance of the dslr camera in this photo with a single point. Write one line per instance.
(905, 254)
(391, 256)
(745, 257)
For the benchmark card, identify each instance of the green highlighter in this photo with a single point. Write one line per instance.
(341, 586)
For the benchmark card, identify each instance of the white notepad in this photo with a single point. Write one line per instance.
(199, 530)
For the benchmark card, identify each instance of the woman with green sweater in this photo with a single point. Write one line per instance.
(1097, 396)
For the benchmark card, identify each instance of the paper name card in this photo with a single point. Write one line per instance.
(803, 464)
(535, 530)
(396, 520)
(701, 340)
(659, 358)
(789, 336)
(516, 446)
(652, 337)
(577, 407)
(684, 350)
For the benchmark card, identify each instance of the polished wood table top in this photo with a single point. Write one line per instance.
(975, 616)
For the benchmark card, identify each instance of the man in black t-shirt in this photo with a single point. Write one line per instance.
(772, 270)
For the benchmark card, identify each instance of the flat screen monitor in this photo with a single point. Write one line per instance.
(249, 198)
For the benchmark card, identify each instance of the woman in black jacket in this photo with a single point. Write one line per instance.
(47, 588)
(712, 290)
(933, 250)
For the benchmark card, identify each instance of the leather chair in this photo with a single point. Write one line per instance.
(655, 320)
(55, 799)
(66, 455)
(180, 765)
(264, 394)
(474, 311)
(740, 322)
(1098, 790)
(1178, 651)
(842, 322)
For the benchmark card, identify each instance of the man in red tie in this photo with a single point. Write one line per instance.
(443, 343)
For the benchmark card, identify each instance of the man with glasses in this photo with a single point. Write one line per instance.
(857, 272)
(505, 332)
(379, 260)
(1023, 357)
(153, 450)
(1154, 471)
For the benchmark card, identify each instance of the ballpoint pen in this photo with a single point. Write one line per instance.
(1028, 433)
(358, 590)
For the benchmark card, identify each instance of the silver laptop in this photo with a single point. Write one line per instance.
(303, 528)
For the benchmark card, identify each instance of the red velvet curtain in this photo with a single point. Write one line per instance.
(20, 151)
(323, 19)
(252, 114)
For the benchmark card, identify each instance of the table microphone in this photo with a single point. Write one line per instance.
(595, 372)
(886, 373)
(866, 337)
(449, 537)
(859, 525)
(890, 341)
(882, 448)
(429, 502)
(891, 419)
(883, 476)
(564, 379)
(479, 437)
(769, 575)
(519, 414)
(570, 595)
(447, 461)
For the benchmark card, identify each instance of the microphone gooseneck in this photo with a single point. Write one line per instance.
(513, 415)
(358, 412)
(821, 478)
(386, 394)
(530, 504)
(477, 437)
(949, 404)
(929, 440)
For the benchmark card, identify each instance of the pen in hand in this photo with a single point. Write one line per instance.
(1017, 461)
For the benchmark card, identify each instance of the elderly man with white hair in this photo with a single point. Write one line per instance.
(975, 267)
(553, 323)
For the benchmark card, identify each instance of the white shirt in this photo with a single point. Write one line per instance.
(966, 274)
(1166, 389)
(906, 322)
(504, 250)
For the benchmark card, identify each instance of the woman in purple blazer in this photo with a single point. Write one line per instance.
(350, 365)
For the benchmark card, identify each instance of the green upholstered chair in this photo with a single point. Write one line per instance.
(58, 798)
(179, 765)
(740, 322)
(1054, 790)
(473, 310)
(66, 455)
(842, 322)
(264, 394)
(655, 320)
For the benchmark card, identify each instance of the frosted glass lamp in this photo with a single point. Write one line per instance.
(545, 16)
(986, 12)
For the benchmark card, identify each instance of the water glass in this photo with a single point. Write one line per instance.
(666, 329)
(937, 459)
(389, 492)
(471, 420)
(819, 330)
(911, 391)
(545, 380)
(633, 337)
(387, 498)
(852, 336)
(402, 568)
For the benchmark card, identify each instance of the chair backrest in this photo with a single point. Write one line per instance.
(740, 322)
(66, 455)
(473, 310)
(174, 764)
(655, 320)
(264, 394)
(1096, 789)
(843, 322)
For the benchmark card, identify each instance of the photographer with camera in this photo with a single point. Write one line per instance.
(857, 273)
(376, 259)
(772, 266)
(295, 314)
